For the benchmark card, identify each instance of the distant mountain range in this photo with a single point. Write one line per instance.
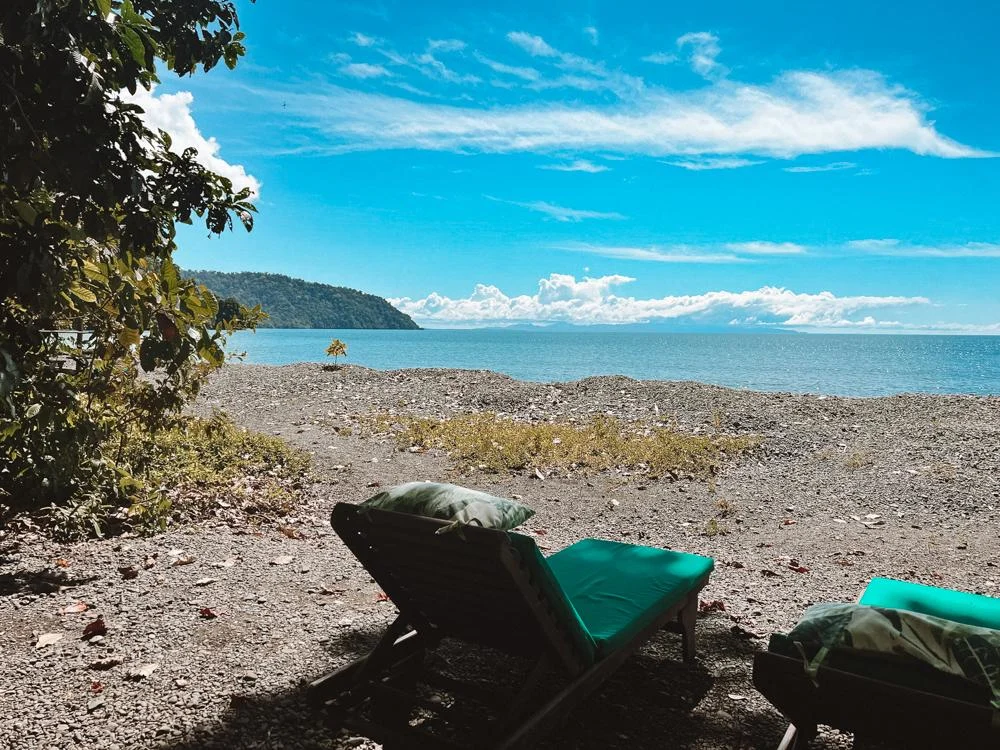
(295, 303)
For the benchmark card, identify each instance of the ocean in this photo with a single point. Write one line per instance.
(849, 365)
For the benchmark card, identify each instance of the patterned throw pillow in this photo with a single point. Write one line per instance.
(955, 648)
(449, 502)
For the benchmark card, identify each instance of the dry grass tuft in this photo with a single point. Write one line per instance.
(495, 443)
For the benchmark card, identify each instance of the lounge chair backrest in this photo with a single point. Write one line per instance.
(479, 585)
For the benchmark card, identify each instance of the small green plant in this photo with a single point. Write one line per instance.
(725, 507)
(337, 348)
(858, 460)
(714, 528)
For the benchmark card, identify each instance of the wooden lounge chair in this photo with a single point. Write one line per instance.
(909, 705)
(579, 614)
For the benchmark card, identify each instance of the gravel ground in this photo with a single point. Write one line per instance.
(845, 489)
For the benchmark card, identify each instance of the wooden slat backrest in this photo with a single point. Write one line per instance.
(469, 584)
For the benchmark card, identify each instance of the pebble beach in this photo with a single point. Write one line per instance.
(840, 490)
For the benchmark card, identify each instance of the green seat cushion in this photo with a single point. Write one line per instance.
(565, 614)
(619, 589)
(958, 606)
(450, 502)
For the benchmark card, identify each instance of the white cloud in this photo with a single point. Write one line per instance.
(437, 69)
(363, 40)
(561, 297)
(660, 58)
(533, 45)
(172, 113)
(446, 45)
(560, 213)
(583, 73)
(836, 166)
(896, 248)
(766, 248)
(527, 74)
(819, 113)
(579, 165)
(709, 162)
(364, 70)
(704, 49)
(592, 34)
(655, 253)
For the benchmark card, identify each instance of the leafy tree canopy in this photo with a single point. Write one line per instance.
(89, 202)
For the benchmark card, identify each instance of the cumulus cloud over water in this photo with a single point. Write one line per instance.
(563, 298)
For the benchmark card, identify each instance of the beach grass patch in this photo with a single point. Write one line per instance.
(202, 465)
(487, 441)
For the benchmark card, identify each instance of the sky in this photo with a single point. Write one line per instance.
(812, 166)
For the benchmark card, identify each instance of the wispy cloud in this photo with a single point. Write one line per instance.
(837, 166)
(660, 58)
(581, 72)
(704, 48)
(437, 69)
(592, 34)
(446, 45)
(532, 44)
(898, 248)
(364, 70)
(561, 297)
(710, 162)
(579, 165)
(655, 253)
(363, 40)
(527, 74)
(766, 248)
(560, 213)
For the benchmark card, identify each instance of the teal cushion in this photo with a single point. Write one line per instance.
(619, 589)
(958, 606)
(449, 502)
(565, 614)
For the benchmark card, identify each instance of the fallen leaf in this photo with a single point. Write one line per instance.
(789, 522)
(735, 564)
(799, 568)
(97, 627)
(183, 560)
(208, 613)
(282, 560)
(374, 484)
(290, 531)
(62, 562)
(381, 596)
(769, 573)
(96, 687)
(539, 475)
(540, 532)
(205, 581)
(139, 673)
(735, 697)
(716, 605)
(74, 608)
(47, 639)
(128, 572)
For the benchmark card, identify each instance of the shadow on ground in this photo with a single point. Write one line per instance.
(653, 701)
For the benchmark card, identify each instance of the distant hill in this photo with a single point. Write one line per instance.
(295, 303)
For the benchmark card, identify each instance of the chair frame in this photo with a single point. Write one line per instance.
(870, 708)
(397, 549)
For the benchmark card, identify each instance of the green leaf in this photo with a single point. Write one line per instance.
(32, 411)
(103, 7)
(82, 293)
(26, 211)
(135, 45)
(129, 337)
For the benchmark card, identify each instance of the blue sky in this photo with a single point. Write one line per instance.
(816, 166)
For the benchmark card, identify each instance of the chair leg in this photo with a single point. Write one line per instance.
(796, 738)
(687, 617)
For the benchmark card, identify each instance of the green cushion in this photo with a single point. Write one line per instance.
(564, 611)
(619, 589)
(959, 606)
(449, 502)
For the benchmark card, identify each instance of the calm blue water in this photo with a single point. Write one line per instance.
(852, 365)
